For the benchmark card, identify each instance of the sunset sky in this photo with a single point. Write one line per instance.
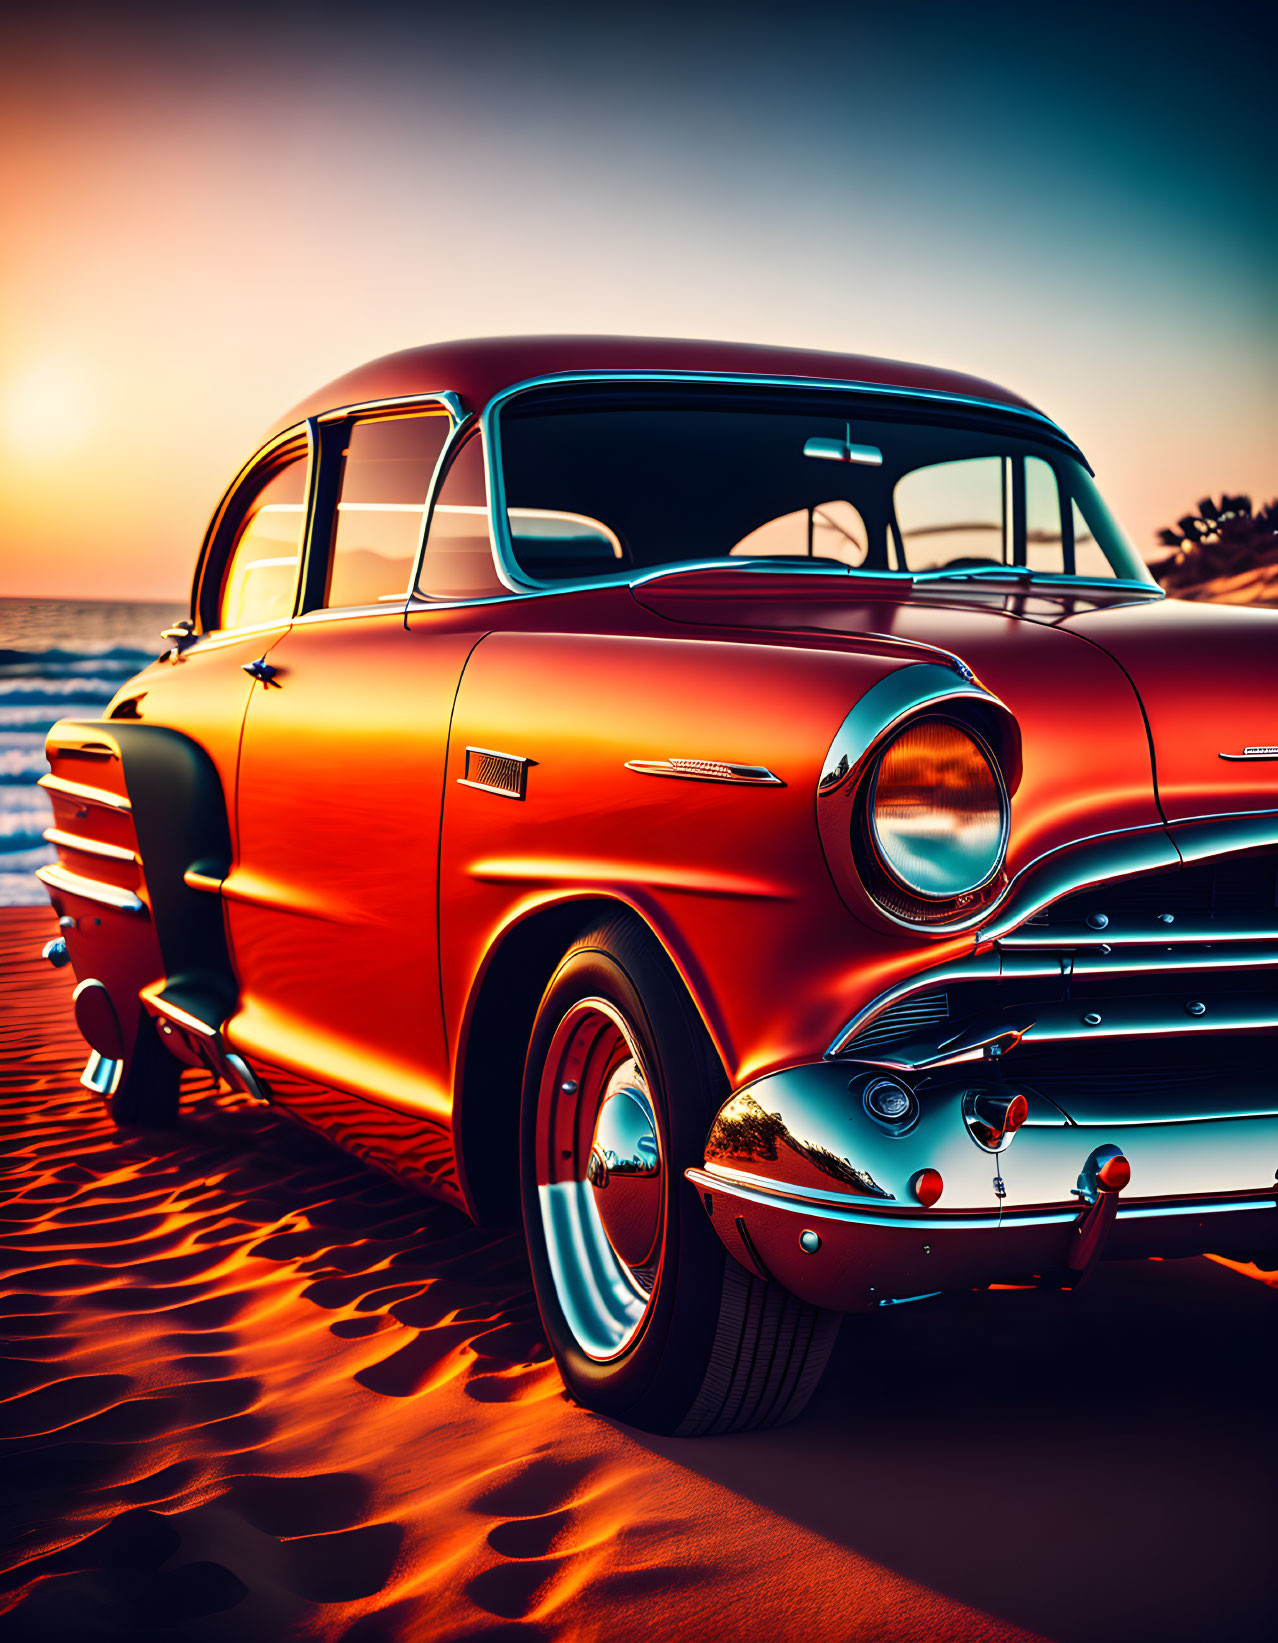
(205, 213)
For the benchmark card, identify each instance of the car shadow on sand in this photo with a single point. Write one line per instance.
(1092, 1466)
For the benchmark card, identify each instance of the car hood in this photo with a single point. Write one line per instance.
(1208, 678)
(1086, 766)
(1086, 669)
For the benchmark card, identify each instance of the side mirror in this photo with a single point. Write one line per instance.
(181, 634)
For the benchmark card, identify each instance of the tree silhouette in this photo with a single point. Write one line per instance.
(1224, 551)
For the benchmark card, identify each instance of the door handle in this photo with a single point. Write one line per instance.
(261, 669)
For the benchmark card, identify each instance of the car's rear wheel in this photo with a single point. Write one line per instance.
(650, 1320)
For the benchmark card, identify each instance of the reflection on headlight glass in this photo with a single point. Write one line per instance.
(937, 812)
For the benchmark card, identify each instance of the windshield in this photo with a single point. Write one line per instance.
(605, 481)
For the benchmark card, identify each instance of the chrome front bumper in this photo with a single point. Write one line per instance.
(805, 1189)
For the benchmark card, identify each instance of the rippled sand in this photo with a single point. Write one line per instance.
(255, 1390)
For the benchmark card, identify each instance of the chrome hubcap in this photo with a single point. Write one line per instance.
(601, 1178)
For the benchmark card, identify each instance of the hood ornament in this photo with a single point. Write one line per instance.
(1252, 753)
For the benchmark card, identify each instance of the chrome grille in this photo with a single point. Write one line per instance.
(901, 1021)
(1156, 960)
(1242, 883)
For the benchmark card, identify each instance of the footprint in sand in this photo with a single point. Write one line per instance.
(512, 1590)
(535, 1500)
(541, 1486)
(308, 1505)
(343, 1567)
(532, 1537)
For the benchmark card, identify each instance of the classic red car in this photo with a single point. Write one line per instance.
(751, 807)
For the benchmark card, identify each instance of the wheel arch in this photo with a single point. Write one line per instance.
(497, 1025)
(181, 822)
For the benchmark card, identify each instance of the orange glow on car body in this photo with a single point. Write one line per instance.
(498, 818)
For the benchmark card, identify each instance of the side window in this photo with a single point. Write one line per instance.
(1089, 556)
(1044, 544)
(459, 556)
(955, 513)
(386, 473)
(827, 530)
(260, 579)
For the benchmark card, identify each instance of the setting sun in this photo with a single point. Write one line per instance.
(44, 409)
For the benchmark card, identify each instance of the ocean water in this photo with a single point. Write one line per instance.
(59, 659)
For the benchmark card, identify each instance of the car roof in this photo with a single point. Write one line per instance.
(479, 368)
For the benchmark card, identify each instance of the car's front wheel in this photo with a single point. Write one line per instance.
(649, 1318)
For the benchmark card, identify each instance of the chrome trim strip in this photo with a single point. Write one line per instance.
(175, 1013)
(859, 1212)
(91, 847)
(72, 884)
(1138, 1212)
(707, 770)
(868, 1212)
(1033, 961)
(86, 795)
(402, 402)
(1252, 753)
(1069, 1023)
(394, 605)
(814, 1194)
(1130, 930)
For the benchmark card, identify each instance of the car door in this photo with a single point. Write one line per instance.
(331, 904)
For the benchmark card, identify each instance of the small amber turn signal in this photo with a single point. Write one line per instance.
(927, 1186)
(1114, 1174)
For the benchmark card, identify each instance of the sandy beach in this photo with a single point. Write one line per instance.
(255, 1390)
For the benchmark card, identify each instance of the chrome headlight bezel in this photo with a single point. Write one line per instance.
(899, 700)
(958, 895)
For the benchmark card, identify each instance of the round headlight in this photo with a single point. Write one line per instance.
(938, 810)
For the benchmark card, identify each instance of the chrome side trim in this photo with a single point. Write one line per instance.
(85, 794)
(72, 884)
(707, 770)
(1252, 753)
(403, 402)
(91, 847)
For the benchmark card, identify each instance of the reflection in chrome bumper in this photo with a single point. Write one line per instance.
(859, 1254)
